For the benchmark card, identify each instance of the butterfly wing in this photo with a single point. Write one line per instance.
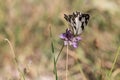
(71, 20)
(77, 21)
(81, 22)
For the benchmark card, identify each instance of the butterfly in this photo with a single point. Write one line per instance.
(77, 21)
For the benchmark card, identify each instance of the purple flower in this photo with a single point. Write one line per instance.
(70, 39)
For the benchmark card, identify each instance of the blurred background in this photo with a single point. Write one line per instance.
(26, 24)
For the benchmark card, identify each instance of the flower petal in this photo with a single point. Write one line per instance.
(75, 45)
(66, 43)
(70, 43)
(78, 38)
(63, 36)
(70, 39)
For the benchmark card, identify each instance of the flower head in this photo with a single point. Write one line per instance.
(70, 39)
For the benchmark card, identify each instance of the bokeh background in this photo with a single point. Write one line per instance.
(26, 23)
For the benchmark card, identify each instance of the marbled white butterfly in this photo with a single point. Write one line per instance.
(77, 21)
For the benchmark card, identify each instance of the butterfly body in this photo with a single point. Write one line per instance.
(77, 21)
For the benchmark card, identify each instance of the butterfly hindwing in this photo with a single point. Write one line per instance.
(77, 21)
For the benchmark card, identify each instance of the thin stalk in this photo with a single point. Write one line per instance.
(115, 60)
(55, 67)
(59, 53)
(67, 64)
(55, 70)
(53, 52)
(15, 59)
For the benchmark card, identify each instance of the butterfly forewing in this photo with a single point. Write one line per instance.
(77, 21)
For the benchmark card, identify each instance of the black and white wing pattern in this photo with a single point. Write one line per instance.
(77, 21)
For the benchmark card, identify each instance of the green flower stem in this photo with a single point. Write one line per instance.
(115, 60)
(59, 53)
